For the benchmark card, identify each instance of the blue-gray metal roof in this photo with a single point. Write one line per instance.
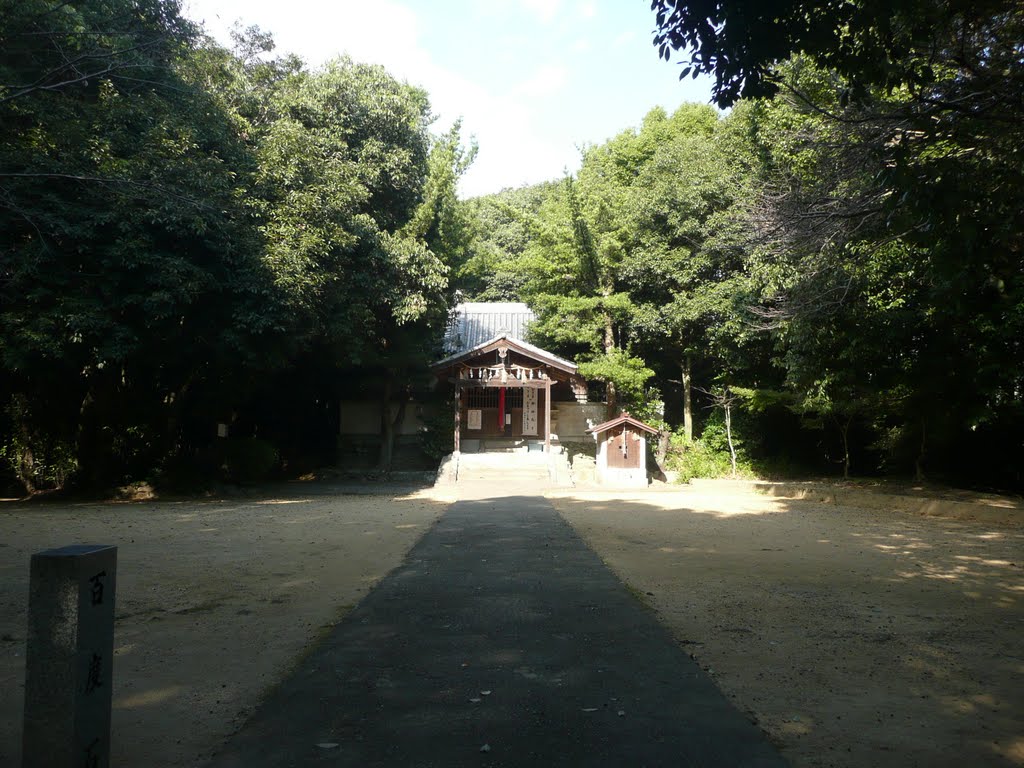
(478, 321)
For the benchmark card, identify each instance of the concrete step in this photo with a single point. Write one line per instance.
(527, 471)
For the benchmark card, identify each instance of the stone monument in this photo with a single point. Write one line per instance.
(69, 659)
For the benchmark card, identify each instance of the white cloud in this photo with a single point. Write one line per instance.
(527, 128)
(545, 10)
(547, 80)
(624, 38)
(382, 32)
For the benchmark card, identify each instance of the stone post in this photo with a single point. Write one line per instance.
(69, 658)
(547, 416)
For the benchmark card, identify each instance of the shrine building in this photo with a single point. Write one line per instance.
(507, 393)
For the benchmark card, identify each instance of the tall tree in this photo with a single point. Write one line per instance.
(684, 270)
(129, 267)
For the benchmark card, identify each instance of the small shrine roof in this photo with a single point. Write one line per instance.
(623, 418)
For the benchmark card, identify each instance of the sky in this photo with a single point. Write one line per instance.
(532, 80)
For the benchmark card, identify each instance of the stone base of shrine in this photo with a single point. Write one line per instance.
(618, 477)
(502, 445)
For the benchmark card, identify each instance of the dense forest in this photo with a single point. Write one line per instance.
(827, 277)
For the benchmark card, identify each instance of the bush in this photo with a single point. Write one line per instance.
(437, 439)
(248, 459)
(707, 456)
(698, 460)
(35, 456)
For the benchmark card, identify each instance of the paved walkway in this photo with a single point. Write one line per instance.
(502, 641)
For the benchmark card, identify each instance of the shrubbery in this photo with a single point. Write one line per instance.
(437, 439)
(707, 456)
(248, 459)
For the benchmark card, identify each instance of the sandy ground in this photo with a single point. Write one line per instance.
(854, 637)
(215, 602)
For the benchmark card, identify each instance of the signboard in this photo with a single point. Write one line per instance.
(474, 419)
(529, 411)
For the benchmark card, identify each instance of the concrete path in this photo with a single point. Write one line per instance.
(502, 641)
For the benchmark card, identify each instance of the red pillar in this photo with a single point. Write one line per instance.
(458, 417)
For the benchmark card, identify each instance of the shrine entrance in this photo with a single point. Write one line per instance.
(504, 391)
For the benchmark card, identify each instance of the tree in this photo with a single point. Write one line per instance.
(573, 262)
(188, 228)
(894, 243)
(502, 227)
(684, 267)
(440, 225)
(58, 48)
(888, 218)
(129, 270)
(359, 209)
(870, 43)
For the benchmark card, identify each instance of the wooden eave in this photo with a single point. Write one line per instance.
(624, 418)
(515, 345)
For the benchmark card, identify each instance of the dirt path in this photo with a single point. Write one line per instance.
(216, 601)
(503, 630)
(855, 637)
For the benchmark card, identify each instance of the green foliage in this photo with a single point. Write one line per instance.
(698, 461)
(501, 227)
(706, 457)
(182, 223)
(248, 459)
(36, 460)
(438, 437)
(888, 303)
(194, 235)
(887, 45)
(629, 375)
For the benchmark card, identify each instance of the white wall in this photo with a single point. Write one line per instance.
(362, 417)
(574, 419)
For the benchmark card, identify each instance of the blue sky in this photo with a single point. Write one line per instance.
(532, 80)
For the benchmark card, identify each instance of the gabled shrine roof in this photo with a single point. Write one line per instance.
(517, 345)
(623, 418)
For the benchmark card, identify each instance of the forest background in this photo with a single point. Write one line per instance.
(830, 272)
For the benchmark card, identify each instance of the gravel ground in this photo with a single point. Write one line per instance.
(855, 637)
(216, 601)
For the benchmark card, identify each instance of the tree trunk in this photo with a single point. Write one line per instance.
(23, 459)
(728, 435)
(175, 408)
(387, 430)
(687, 369)
(390, 427)
(919, 460)
(662, 452)
(609, 347)
(844, 431)
(94, 449)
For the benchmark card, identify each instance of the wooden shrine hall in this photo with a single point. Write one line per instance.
(504, 388)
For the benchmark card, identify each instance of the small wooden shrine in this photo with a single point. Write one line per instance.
(622, 451)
